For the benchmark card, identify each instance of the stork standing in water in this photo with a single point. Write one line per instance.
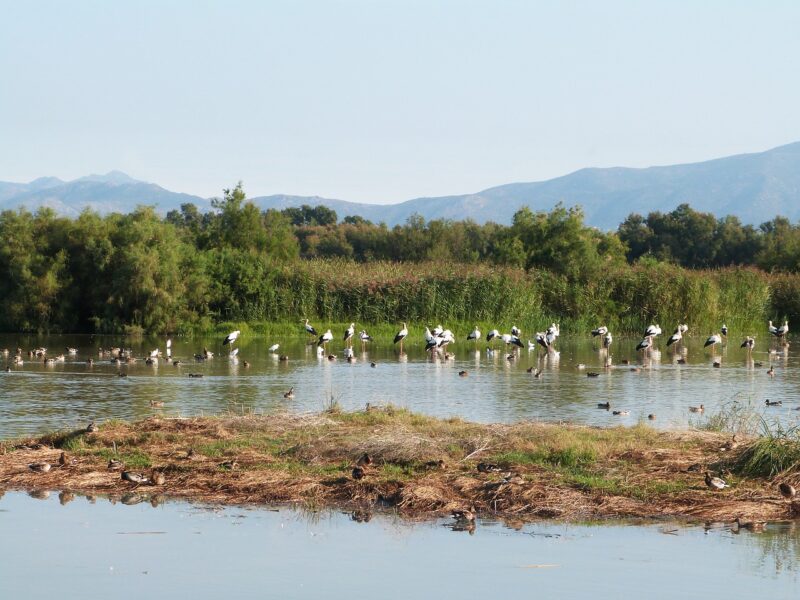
(511, 339)
(492, 335)
(430, 340)
(607, 339)
(516, 331)
(541, 339)
(712, 341)
(324, 339)
(781, 331)
(724, 330)
(645, 344)
(348, 335)
(364, 337)
(231, 337)
(652, 331)
(475, 335)
(676, 337)
(310, 330)
(749, 343)
(400, 336)
(602, 330)
(169, 347)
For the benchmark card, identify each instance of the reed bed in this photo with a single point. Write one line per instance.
(626, 298)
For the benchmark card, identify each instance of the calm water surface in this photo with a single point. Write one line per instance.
(36, 397)
(178, 550)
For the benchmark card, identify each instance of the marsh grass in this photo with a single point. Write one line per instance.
(378, 296)
(775, 452)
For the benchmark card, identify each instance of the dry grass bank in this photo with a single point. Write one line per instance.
(422, 466)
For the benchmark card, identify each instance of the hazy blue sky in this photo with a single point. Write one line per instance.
(384, 101)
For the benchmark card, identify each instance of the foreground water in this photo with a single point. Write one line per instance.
(36, 397)
(179, 550)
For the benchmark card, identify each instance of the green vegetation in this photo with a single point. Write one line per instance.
(775, 452)
(192, 271)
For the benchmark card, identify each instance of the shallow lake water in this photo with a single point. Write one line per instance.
(36, 397)
(180, 550)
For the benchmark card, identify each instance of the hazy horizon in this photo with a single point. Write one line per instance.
(391, 101)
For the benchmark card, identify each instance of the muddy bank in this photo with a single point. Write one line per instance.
(422, 466)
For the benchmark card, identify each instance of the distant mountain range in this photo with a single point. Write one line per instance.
(754, 187)
(112, 192)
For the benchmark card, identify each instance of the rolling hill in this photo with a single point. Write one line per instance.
(755, 187)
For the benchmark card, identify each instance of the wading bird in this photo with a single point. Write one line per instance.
(712, 341)
(231, 337)
(607, 339)
(724, 330)
(514, 331)
(309, 329)
(325, 338)
(511, 339)
(652, 331)
(364, 337)
(676, 337)
(403, 333)
(348, 334)
(475, 335)
(599, 331)
(274, 348)
(783, 329)
(749, 343)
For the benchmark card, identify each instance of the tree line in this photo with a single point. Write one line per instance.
(190, 269)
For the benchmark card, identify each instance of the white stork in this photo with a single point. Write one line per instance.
(749, 343)
(772, 329)
(724, 330)
(231, 337)
(349, 333)
(474, 335)
(511, 339)
(652, 331)
(676, 337)
(274, 348)
(437, 331)
(712, 341)
(325, 338)
(400, 336)
(645, 344)
(541, 339)
(516, 331)
(310, 330)
(607, 339)
(492, 335)
(599, 331)
(444, 338)
(783, 329)
(169, 347)
(364, 337)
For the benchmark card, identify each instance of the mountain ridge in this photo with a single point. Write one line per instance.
(754, 187)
